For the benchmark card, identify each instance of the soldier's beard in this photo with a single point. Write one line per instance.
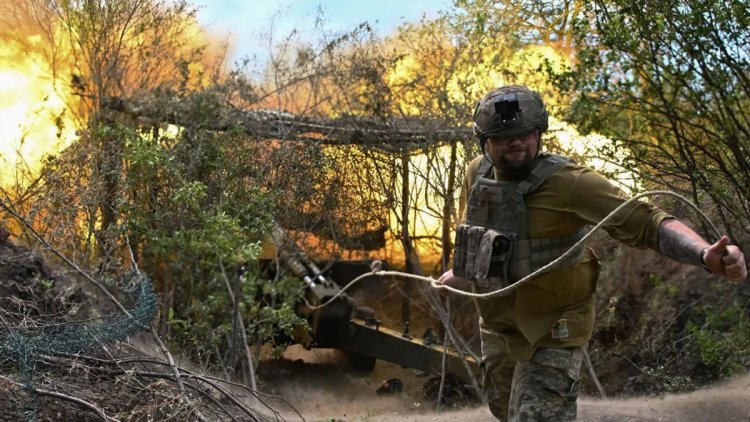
(515, 169)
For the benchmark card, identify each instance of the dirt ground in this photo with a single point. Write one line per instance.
(314, 383)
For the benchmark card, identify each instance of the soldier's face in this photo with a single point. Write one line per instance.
(513, 155)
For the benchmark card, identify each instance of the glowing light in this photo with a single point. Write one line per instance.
(33, 122)
(587, 146)
(38, 104)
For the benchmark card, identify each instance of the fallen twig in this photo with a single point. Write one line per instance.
(63, 396)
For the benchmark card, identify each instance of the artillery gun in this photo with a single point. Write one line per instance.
(355, 330)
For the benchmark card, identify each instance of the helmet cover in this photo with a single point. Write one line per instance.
(509, 111)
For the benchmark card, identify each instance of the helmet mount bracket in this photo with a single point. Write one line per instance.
(507, 109)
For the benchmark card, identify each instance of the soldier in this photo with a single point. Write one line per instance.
(522, 209)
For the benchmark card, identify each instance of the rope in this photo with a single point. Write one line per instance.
(507, 290)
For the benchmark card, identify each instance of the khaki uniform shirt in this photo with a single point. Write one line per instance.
(556, 309)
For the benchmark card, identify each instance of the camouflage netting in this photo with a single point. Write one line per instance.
(25, 346)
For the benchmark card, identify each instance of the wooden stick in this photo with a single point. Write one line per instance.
(590, 365)
(62, 396)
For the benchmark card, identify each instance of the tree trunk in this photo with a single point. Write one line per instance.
(448, 207)
(110, 167)
(413, 266)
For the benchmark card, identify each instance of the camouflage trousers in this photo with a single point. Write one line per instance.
(544, 388)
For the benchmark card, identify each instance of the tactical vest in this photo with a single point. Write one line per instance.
(493, 246)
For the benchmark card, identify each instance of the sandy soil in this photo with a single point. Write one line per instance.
(320, 389)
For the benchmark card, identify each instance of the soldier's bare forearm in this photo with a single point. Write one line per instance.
(679, 242)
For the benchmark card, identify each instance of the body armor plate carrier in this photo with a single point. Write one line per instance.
(493, 246)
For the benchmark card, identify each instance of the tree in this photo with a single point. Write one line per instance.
(673, 99)
(101, 50)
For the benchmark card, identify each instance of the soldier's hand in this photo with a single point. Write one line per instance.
(726, 260)
(450, 280)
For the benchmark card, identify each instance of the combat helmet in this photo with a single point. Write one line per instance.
(508, 111)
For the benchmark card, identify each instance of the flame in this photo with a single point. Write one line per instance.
(33, 118)
(41, 109)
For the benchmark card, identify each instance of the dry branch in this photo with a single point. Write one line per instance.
(278, 124)
(62, 396)
(115, 368)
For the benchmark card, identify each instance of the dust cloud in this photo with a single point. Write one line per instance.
(316, 386)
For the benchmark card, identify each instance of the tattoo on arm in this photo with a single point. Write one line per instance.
(679, 245)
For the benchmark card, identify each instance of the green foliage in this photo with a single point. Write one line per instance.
(661, 285)
(723, 338)
(660, 329)
(672, 100)
(270, 319)
(46, 283)
(190, 206)
(194, 206)
(655, 279)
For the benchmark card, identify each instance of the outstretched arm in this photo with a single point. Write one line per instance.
(679, 242)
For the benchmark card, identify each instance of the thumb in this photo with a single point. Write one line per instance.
(719, 247)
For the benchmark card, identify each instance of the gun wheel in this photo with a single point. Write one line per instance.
(359, 363)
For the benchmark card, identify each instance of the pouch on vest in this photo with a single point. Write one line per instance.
(460, 250)
(475, 238)
(468, 239)
(494, 260)
(483, 255)
(494, 255)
